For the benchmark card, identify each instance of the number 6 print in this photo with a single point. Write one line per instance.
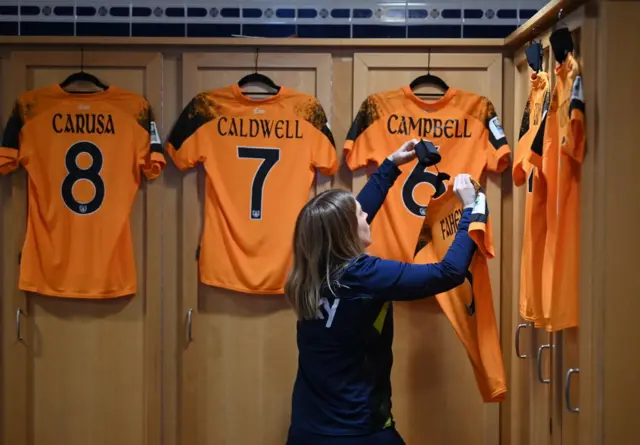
(420, 175)
(91, 174)
(270, 157)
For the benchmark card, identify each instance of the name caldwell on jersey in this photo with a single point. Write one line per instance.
(263, 128)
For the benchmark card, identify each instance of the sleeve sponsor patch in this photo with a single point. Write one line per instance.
(576, 92)
(155, 136)
(496, 128)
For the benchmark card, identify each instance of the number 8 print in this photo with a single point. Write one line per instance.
(91, 174)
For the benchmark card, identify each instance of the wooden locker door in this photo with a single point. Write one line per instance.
(433, 382)
(522, 336)
(84, 371)
(531, 373)
(567, 390)
(236, 371)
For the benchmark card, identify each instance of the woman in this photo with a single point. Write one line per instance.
(342, 393)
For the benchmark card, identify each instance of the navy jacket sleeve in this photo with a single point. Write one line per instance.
(375, 190)
(394, 280)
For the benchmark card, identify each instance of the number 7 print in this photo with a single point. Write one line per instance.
(270, 157)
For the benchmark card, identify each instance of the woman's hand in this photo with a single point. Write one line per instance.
(465, 190)
(404, 154)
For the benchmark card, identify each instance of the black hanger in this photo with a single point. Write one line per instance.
(535, 56)
(256, 77)
(428, 156)
(429, 79)
(82, 76)
(561, 41)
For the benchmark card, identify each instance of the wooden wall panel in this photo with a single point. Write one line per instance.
(210, 385)
(85, 370)
(422, 377)
(618, 91)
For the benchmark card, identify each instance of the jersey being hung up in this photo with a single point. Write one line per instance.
(535, 223)
(559, 158)
(83, 153)
(464, 128)
(260, 158)
(469, 307)
(467, 133)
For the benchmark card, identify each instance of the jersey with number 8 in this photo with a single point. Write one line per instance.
(260, 158)
(83, 154)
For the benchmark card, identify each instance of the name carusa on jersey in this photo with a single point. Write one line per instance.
(79, 123)
(265, 128)
(428, 127)
(449, 224)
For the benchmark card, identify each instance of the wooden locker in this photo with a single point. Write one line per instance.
(235, 368)
(431, 370)
(82, 371)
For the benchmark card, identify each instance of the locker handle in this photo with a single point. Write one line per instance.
(18, 320)
(567, 390)
(540, 349)
(189, 312)
(520, 326)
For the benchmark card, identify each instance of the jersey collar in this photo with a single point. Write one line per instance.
(237, 92)
(432, 106)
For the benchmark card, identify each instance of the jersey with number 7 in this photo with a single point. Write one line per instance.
(260, 158)
(83, 153)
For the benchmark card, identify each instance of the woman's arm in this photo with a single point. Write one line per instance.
(375, 190)
(394, 280)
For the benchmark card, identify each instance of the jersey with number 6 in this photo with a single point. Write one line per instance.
(464, 128)
(83, 154)
(260, 158)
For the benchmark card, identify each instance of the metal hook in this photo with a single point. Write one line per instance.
(429, 61)
(256, 60)
(560, 14)
(82, 59)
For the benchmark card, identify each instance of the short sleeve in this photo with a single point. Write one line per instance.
(518, 170)
(359, 146)
(151, 159)
(538, 143)
(480, 226)
(575, 147)
(496, 146)
(186, 145)
(323, 147)
(10, 147)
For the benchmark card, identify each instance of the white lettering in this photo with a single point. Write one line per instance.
(330, 310)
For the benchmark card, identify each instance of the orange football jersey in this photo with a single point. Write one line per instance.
(260, 157)
(469, 307)
(559, 159)
(83, 153)
(535, 223)
(464, 128)
(467, 133)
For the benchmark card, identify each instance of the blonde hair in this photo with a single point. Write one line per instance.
(324, 240)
